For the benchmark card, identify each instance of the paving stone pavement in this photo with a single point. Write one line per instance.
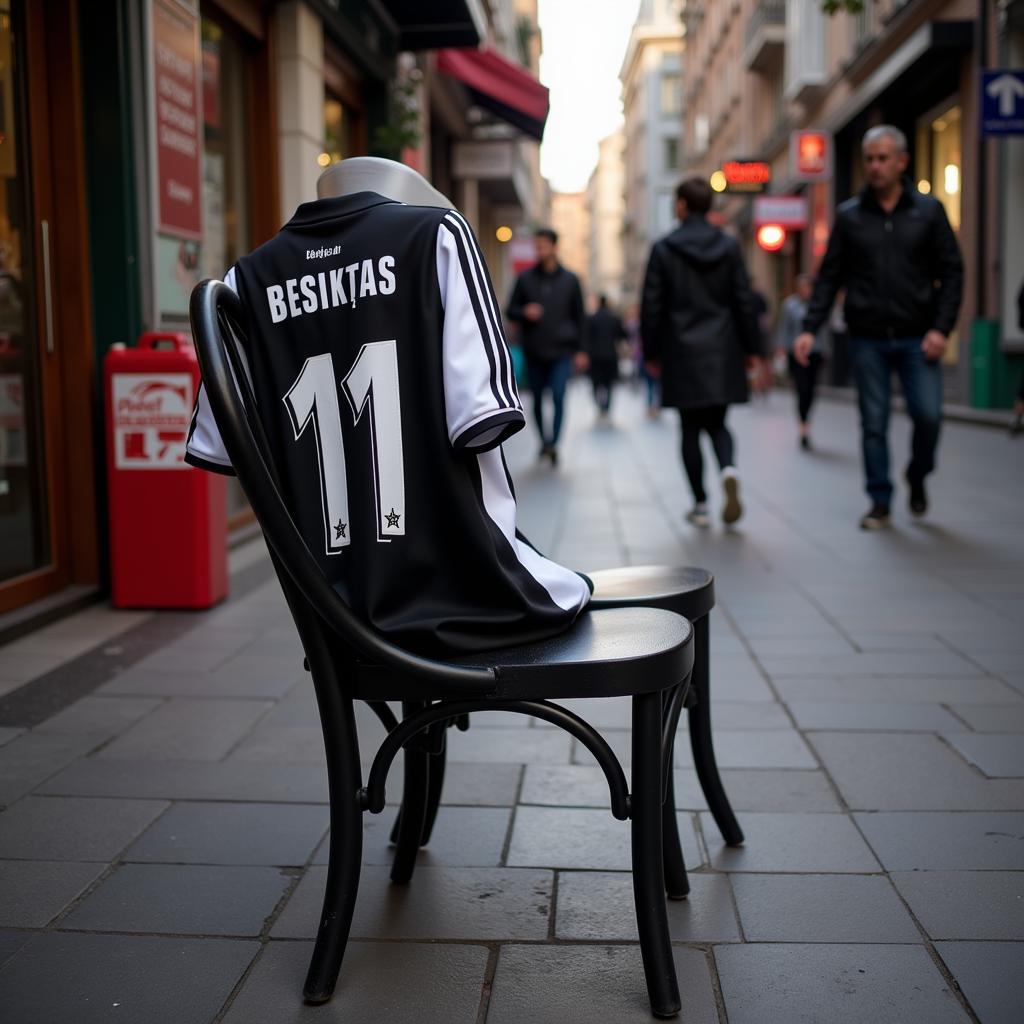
(163, 839)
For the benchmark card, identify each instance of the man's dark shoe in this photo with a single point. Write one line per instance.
(877, 518)
(918, 498)
(552, 455)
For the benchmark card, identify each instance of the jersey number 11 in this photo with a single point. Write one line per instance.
(370, 386)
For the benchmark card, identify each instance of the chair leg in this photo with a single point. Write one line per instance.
(435, 784)
(677, 884)
(414, 807)
(701, 742)
(344, 857)
(648, 866)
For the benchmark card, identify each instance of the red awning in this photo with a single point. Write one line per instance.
(500, 86)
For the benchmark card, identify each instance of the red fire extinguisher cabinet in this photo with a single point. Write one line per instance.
(168, 521)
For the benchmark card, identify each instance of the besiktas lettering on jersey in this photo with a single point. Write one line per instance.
(327, 288)
(384, 385)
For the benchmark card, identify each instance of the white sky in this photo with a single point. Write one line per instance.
(584, 42)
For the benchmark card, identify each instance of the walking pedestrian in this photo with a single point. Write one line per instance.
(894, 251)
(805, 378)
(547, 303)
(604, 333)
(698, 319)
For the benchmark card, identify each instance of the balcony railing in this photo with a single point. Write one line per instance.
(765, 37)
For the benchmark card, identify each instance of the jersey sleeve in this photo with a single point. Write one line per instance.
(482, 404)
(204, 448)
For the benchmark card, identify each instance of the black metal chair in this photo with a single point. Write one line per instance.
(689, 592)
(644, 653)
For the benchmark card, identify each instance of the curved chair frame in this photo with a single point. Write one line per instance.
(339, 648)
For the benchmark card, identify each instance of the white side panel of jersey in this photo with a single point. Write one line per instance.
(478, 381)
(204, 440)
(567, 589)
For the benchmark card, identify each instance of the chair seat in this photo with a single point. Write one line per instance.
(686, 591)
(605, 653)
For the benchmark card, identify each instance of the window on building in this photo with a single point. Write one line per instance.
(671, 154)
(938, 158)
(701, 133)
(671, 94)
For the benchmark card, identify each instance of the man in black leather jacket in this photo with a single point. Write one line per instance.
(698, 322)
(894, 251)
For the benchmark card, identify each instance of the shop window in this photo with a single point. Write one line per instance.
(938, 158)
(225, 151)
(226, 170)
(344, 109)
(341, 130)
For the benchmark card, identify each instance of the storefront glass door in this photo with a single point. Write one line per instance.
(25, 241)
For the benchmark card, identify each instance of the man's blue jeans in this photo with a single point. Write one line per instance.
(543, 376)
(874, 361)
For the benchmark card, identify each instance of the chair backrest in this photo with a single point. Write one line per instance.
(218, 329)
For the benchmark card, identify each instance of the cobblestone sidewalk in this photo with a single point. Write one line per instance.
(162, 846)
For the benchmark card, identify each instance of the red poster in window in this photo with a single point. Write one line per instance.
(176, 120)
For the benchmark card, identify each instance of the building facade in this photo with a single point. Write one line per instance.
(605, 213)
(147, 144)
(652, 94)
(570, 219)
(758, 71)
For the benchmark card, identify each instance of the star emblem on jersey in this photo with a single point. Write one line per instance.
(393, 518)
(339, 530)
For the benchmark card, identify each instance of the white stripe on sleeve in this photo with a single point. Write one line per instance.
(204, 440)
(566, 588)
(474, 354)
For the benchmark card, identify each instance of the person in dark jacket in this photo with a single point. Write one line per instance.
(604, 333)
(894, 251)
(698, 321)
(804, 376)
(547, 303)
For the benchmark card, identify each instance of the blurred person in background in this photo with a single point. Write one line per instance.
(547, 303)
(605, 331)
(1017, 423)
(894, 251)
(805, 377)
(652, 384)
(698, 322)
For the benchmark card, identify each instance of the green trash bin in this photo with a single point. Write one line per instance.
(986, 362)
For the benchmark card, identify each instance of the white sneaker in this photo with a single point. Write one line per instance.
(732, 509)
(698, 515)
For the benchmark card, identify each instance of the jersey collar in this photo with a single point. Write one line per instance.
(336, 206)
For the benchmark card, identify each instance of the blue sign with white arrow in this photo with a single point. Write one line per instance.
(1002, 102)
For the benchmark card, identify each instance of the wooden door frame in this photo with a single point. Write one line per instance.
(67, 376)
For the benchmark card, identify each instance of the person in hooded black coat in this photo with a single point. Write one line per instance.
(698, 325)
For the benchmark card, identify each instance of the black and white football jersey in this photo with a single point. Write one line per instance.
(384, 384)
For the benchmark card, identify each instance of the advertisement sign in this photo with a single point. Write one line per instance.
(522, 253)
(176, 119)
(785, 211)
(151, 418)
(1002, 102)
(746, 175)
(810, 155)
